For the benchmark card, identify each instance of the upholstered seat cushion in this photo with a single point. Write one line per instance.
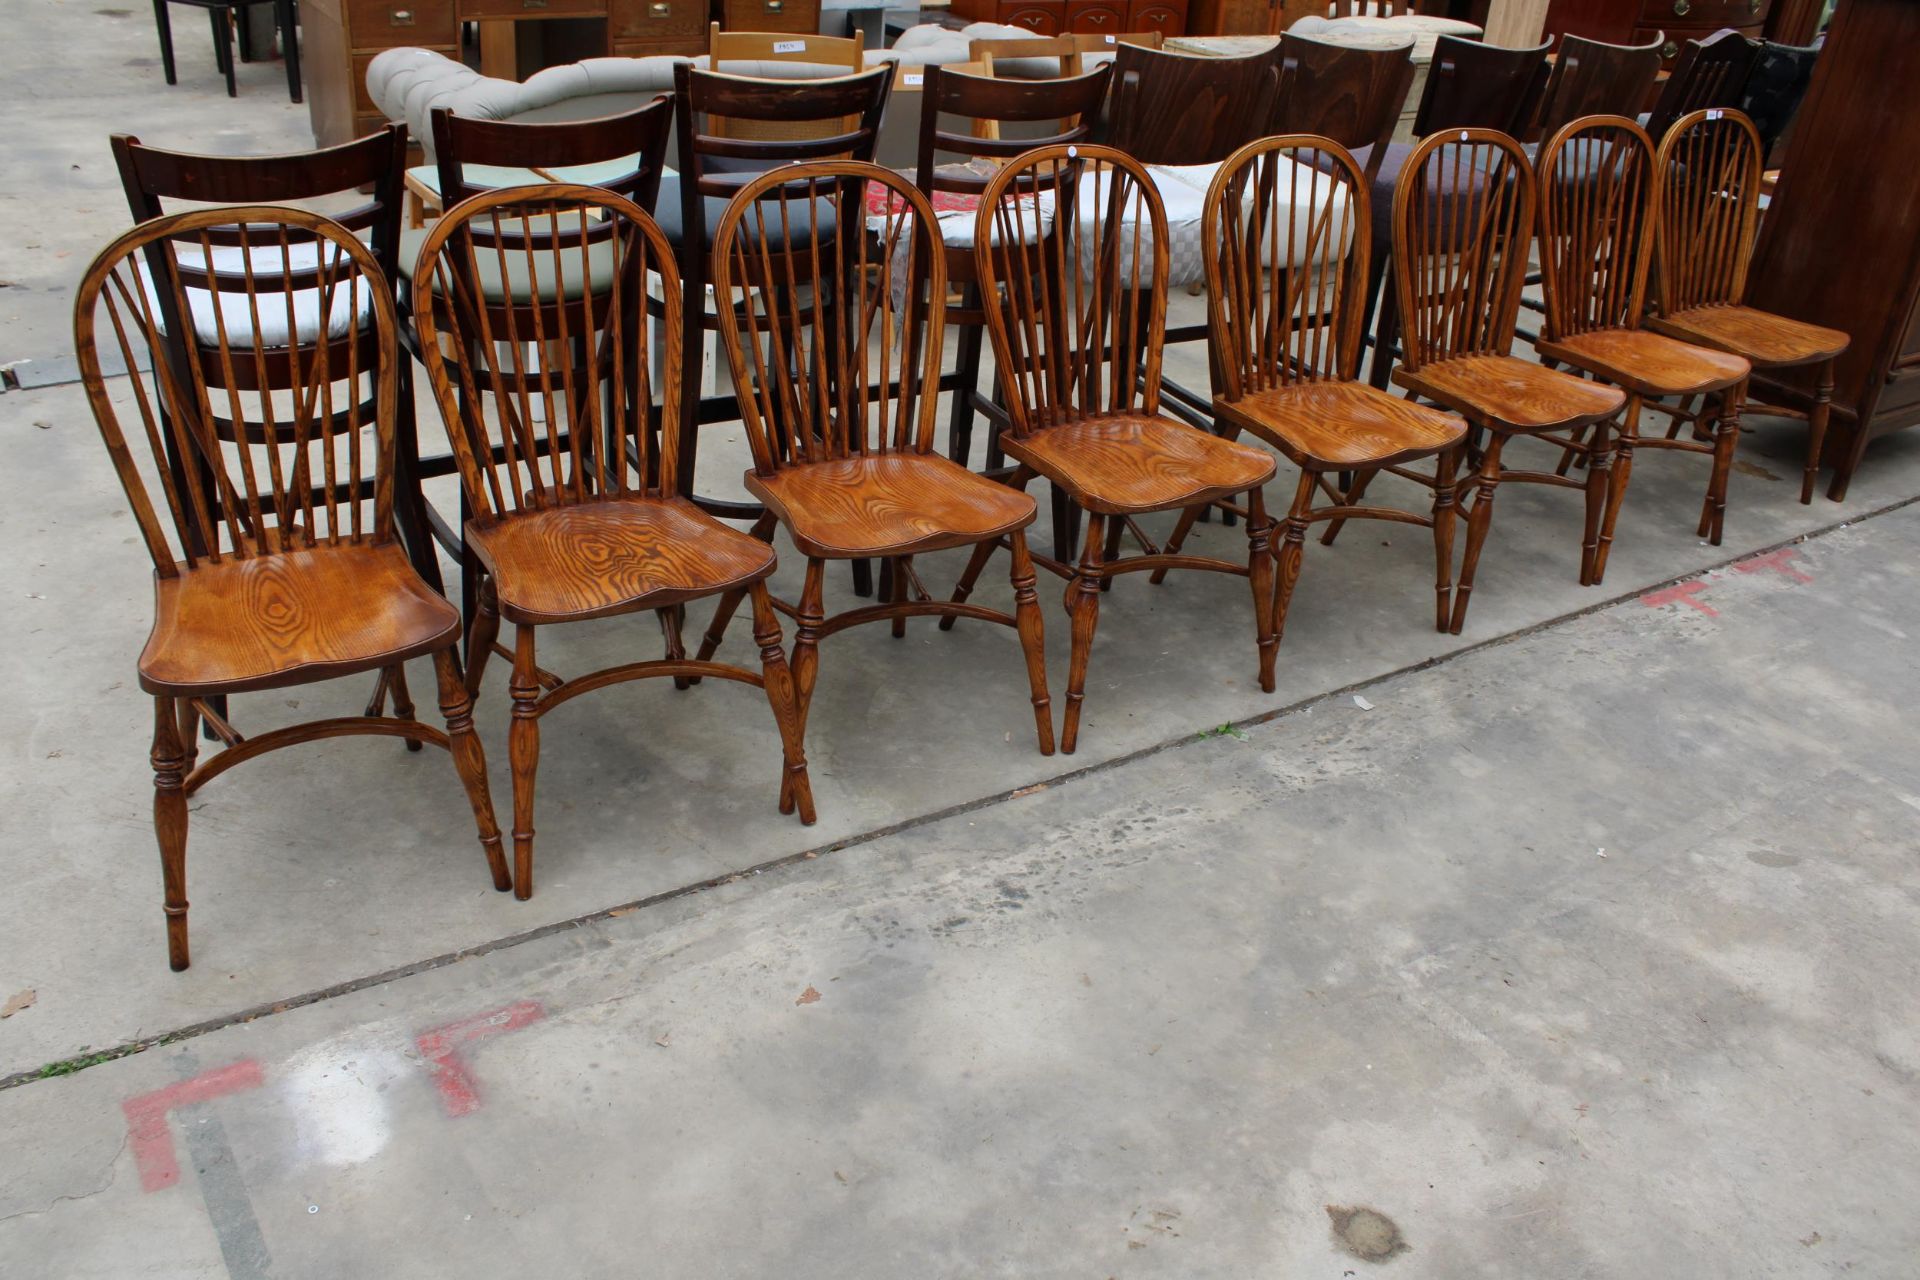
(234, 312)
(487, 265)
(668, 213)
(427, 176)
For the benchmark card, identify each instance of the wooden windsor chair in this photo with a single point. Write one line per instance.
(1597, 199)
(275, 561)
(837, 358)
(1709, 182)
(1077, 321)
(1287, 245)
(548, 398)
(1460, 253)
(955, 168)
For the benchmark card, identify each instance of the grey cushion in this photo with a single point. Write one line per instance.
(599, 257)
(667, 213)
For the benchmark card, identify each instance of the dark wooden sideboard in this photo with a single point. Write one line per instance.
(1840, 245)
(1094, 17)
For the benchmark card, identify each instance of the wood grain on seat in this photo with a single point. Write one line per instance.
(1649, 363)
(587, 560)
(292, 618)
(1343, 426)
(889, 504)
(1512, 394)
(1762, 337)
(1125, 465)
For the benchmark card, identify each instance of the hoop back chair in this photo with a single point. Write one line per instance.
(1285, 236)
(714, 166)
(1598, 189)
(549, 398)
(1350, 96)
(1047, 112)
(837, 357)
(1709, 166)
(1707, 73)
(275, 562)
(1078, 322)
(1460, 249)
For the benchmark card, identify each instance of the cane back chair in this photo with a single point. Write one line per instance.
(275, 561)
(1071, 250)
(837, 359)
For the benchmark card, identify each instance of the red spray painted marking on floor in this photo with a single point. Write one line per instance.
(1681, 593)
(459, 1092)
(1780, 562)
(147, 1130)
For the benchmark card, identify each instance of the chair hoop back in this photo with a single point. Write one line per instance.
(1462, 228)
(1597, 192)
(831, 283)
(1709, 182)
(549, 320)
(1286, 244)
(1070, 246)
(251, 433)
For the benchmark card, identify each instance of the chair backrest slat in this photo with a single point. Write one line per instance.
(831, 286)
(1070, 246)
(1462, 230)
(256, 451)
(1709, 185)
(1286, 239)
(549, 318)
(1597, 194)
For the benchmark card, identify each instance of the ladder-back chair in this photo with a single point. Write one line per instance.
(265, 496)
(837, 360)
(1078, 321)
(549, 397)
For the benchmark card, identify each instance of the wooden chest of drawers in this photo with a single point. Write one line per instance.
(1639, 21)
(1096, 17)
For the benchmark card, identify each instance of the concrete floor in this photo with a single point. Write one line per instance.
(1148, 1010)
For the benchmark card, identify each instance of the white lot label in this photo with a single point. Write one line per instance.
(1110, 39)
(912, 80)
(789, 46)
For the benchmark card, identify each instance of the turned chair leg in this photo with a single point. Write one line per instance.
(1624, 440)
(1477, 521)
(811, 617)
(1083, 607)
(672, 620)
(1599, 460)
(1293, 542)
(1726, 434)
(470, 761)
(286, 17)
(523, 752)
(796, 790)
(481, 635)
(1033, 637)
(1817, 432)
(402, 700)
(170, 824)
(976, 563)
(1445, 510)
(1260, 572)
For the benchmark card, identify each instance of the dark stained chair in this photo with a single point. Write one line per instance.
(732, 129)
(1709, 195)
(954, 170)
(837, 357)
(1351, 96)
(275, 562)
(225, 15)
(1470, 85)
(1707, 73)
(1597, 200)
(547, 391)
(1779, 80)
(1174, 108)
(1591, 78)
(1460, 254)
(1286, 263)
(1078, 321)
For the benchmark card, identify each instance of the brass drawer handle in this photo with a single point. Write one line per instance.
(533, 4)
(1669, 51)
(775, 6)
(1681, 8)
(402, 17)
(660, 9)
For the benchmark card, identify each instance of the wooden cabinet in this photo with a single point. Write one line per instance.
(642, 28)
(1098, 17)
(1232, 17)
(1840, 243)
(1168, 17)
(1639, 21)
(1042, 17)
